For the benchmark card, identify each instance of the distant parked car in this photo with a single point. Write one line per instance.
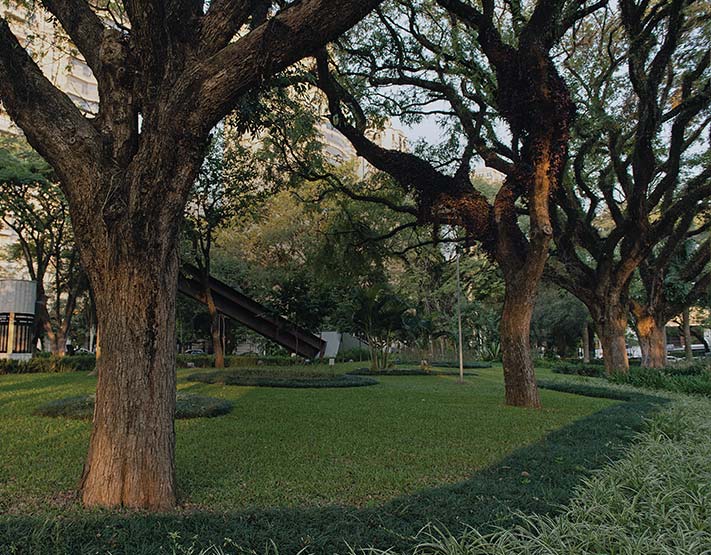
(195, 352)
(83, 351)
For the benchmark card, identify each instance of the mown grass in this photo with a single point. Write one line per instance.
(655, 501)
(312, 467)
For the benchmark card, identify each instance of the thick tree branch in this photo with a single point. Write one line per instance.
(294, 33)
(222, 20)
(83, 26)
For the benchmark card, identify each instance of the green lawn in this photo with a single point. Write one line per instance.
(315, 467)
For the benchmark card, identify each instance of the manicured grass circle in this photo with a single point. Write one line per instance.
(186, 406)
(235, 377)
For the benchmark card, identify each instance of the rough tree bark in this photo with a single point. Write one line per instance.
(131, 453)
(215, 329)
(515, 330)
(586, 343)
(688, 347)
(652, 342)
(611, 323)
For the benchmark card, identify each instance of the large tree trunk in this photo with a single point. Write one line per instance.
(215, 329)
(515, 329)
(650, 326)
(586, 343)
(652, 342)
(131, 452)
(612, 330)
(57, 342)
(686, 320)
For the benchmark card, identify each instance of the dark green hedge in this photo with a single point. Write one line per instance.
(234, 361)
(455, 364)
(693, 379)
(86, 363)
(584, 389)
(186, 406)
(579, 369)
(275, 380)
(52, 364)
(404, 372)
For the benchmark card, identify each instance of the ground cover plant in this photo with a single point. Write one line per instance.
(48, 364)
(579, 368)
(186, 406)
(446, 363)
(455, 364)
(691, 379)
(586, 389)
(399, 371)
(203, 361)
(313, 468)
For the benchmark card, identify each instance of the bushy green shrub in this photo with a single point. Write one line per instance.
(579, 369)
(584, 389)
(82, 363)
(405, 372)
(353, 354)
(455, 364)
(50, 364)
(306, 371)
(271, 379)
(186, 406)
(688, 369)
(235, 361)
(693, 379)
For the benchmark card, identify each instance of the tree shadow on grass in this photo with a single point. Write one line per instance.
(537, 478)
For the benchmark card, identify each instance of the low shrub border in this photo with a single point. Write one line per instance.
(404, 372)
(275, 380)
(448, 364)
(48, 364)
(578, 369)
(694, 379)
(585, 390)
(44, 363)
(186, 406)
(236, 361)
